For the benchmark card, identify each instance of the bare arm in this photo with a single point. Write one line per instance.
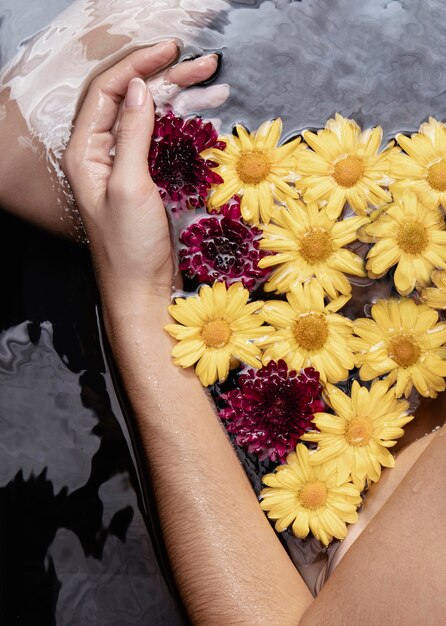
(229, 565)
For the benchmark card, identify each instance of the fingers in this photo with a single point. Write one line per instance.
(166, 85)
(130, 168)
(200, 98)
(101, 104)
(189, 73)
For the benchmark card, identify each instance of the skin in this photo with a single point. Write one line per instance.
(229, 564)
(46, 200)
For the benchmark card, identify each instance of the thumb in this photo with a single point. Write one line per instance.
(134, 134)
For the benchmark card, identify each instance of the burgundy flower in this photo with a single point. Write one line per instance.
(272, 409)
(182, 175)
(221, 247)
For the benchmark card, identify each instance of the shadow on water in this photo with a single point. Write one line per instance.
(75, 543)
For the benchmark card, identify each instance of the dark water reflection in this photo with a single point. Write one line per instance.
(74, 542)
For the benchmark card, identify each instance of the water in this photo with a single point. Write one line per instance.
(74, 532)
(75, 537)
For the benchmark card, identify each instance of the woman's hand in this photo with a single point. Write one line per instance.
(119, 203)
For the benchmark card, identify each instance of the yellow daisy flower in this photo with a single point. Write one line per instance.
(410, 235)
(254, 167)
(435, 297)
(423, 168)
(353, 443)
(404, 340)
(310, 333)
(216, 328)
(311, 245)
(344, 167)
(308, 498)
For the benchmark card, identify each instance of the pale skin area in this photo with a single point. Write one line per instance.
(228, 562)
(45, 200)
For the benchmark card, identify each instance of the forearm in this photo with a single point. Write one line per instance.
(29, 187)
(229, 565)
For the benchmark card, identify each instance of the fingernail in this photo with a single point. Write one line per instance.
(170, 42)
(136, 93)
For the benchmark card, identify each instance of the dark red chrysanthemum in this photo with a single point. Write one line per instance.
(182, 175)
(272, 409)
(221, 247)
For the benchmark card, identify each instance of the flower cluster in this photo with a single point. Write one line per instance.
(310, 388)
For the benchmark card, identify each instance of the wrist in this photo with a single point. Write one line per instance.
(136, 305)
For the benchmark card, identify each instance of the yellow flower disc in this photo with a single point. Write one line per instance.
(311, 332)
(412, 237)
(404, 350)
(358, 431)
(253, 167)
(436, 175)
(316, 245)
(348, 171)
(313, 495)
(216, 333)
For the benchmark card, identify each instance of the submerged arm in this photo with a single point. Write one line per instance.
(32, 184)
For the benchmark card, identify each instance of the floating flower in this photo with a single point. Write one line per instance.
(435, 297)
(309, 333)
(311, 245)
(222, 248)
(308, 498)
(182, 175)
(272, 409)
(423, 168)
(254, 167)
(410, 236)
(344, 167)
(215, 328)
(354, 442)
(404, 340)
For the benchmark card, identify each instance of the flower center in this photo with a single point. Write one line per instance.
(436, 175)
(348, 170)
(216, 333)
(315, 245)
(404, 351)
(311, 331)
(175, 164)
(358, 431)
(412, 237)
(253, 167)
(313, 495)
